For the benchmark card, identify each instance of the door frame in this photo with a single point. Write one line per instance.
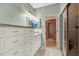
(61, 13)
(50, 17)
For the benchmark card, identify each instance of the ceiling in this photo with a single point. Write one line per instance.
(38, 5)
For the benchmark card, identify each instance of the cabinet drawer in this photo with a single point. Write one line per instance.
(12, 32)
(19, 51)
(1, 32)
(29, 31)
(9, 31)
(28, 50)
(13, 42)
(28, 40)
(29, 35)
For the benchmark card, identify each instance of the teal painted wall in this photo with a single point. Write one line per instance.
(51, 10)
(14, 13)
(61, 31)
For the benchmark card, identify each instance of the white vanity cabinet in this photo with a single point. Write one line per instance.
(18, 41)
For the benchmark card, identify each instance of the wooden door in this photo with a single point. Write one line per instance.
(72, 30)
(51, 29)
(51, 32)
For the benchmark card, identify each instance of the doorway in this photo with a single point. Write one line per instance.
(50, 33)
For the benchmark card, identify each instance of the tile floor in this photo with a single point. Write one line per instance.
(49, 51)
(52, 52)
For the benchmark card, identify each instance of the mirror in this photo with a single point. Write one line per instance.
(28, 22)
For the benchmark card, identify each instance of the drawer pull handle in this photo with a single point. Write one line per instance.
(15, 31)
(15, 53)
(15, 41)
(31, 43)
(30, 49)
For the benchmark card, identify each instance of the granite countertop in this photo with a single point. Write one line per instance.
(37, 32)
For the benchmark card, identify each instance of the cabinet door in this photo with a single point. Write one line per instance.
(18, 51)
(72, 30)
(12, 42)
(1, 46)
(28, 50)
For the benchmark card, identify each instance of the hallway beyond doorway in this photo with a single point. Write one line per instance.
(52, 52)
(50, 42)
(51, 32)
